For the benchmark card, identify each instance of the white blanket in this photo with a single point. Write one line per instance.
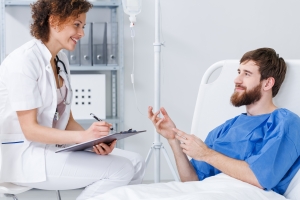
(214, 188)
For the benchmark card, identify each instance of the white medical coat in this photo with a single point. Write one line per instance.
(27, 82)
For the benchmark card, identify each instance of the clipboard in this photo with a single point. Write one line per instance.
(106, 139)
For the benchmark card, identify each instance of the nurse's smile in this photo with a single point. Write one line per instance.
(74, 40)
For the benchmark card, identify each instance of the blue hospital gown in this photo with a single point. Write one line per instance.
(269, 143)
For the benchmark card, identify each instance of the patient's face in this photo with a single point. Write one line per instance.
(247, 85)
(247, 97)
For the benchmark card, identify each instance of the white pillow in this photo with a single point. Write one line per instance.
(293, 190)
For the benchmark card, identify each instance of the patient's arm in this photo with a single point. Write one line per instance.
(185, 169)
(197, 149)
(164, 126)
(235, 168)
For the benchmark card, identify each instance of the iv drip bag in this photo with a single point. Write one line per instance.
(132, 8)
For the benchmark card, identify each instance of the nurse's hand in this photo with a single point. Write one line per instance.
(164, 125)
(104, 149)
(96, 130)
(193, 146)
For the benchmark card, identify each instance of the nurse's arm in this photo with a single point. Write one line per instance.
(73, 125)
(33, 131)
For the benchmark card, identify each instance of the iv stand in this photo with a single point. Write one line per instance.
(157, 145)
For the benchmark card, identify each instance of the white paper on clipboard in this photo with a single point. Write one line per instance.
(106, 139)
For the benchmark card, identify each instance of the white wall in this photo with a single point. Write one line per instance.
(197, 34)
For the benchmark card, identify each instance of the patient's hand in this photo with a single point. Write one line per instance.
(193, 146)
(165, 125)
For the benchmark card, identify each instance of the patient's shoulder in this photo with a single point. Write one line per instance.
(284, 122)
(283, 115)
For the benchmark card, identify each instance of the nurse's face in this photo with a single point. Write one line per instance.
(248, 87)
(67, 35)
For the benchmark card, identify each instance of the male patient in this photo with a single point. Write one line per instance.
(260, 147)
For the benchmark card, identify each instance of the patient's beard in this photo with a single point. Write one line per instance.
(247, 97)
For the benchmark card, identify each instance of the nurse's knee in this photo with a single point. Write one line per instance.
(126, 169)
(139, 161)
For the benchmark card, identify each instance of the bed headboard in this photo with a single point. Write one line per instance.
(213, 105)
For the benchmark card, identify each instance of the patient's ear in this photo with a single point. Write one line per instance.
(268, 83)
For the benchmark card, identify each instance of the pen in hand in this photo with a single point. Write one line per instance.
(98, 119)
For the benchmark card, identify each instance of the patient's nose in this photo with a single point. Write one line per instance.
(238, 79)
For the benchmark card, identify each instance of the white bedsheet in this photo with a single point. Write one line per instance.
(217, 187)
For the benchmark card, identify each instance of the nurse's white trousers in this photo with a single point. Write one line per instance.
(97, 173)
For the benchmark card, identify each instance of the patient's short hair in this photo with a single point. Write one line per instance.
(270, 65)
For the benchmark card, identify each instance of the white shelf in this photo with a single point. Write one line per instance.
(102, 3)
(112, 120)
(95, 68)
(18, 3)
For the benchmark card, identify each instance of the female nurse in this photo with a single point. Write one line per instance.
(36, 117)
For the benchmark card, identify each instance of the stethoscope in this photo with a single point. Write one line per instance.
(67, 101)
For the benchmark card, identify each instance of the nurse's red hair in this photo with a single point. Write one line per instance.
(61, 10)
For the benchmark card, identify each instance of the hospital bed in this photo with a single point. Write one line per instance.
(212, 109)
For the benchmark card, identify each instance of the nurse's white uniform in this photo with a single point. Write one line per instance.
(27, 82)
